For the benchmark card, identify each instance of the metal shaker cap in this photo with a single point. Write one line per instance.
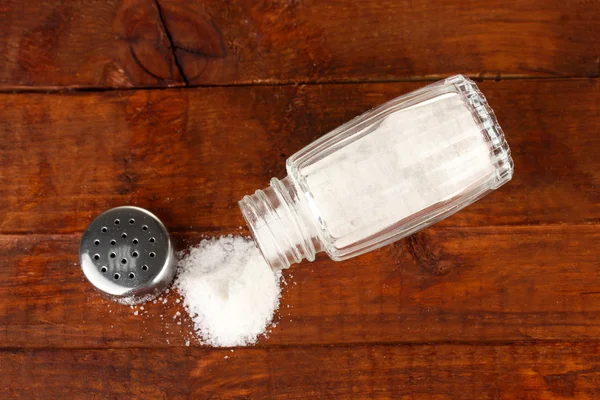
(127, 254)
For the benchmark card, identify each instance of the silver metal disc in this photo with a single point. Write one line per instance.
(127, 254)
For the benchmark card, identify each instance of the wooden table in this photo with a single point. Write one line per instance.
(182, 107)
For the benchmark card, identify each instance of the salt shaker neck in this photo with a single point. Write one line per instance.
(281, 223)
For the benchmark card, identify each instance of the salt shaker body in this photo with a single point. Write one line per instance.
(382, 176)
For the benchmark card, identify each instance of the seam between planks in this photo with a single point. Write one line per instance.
(505, 227)
(267, 82)
(263, 347)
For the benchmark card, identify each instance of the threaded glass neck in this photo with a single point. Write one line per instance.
(281, 224)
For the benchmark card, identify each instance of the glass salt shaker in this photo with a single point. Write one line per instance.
(382, 176)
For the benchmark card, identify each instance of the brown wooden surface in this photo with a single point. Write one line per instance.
(91, 43)
(98, 43)
(444, 284)
(523, 371)
(190, 155)
(502, 300)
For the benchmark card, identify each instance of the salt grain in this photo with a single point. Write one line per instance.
(229, 291)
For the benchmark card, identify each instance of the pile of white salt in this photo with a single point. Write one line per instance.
(229, 290)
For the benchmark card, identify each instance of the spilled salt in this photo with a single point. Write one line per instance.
(229, 290)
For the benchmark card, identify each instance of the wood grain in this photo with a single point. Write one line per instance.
(475, 285)
(498, 301)
(91, 43)
(190, 155)
(523, 371)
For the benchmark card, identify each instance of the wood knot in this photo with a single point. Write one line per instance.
(197, 40)
(429, 256)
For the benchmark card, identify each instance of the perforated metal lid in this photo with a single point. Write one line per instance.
(127, 254)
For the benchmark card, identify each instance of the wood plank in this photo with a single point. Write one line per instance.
(190, 155)
(91, 43)
(530, 371)
(442, 284)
